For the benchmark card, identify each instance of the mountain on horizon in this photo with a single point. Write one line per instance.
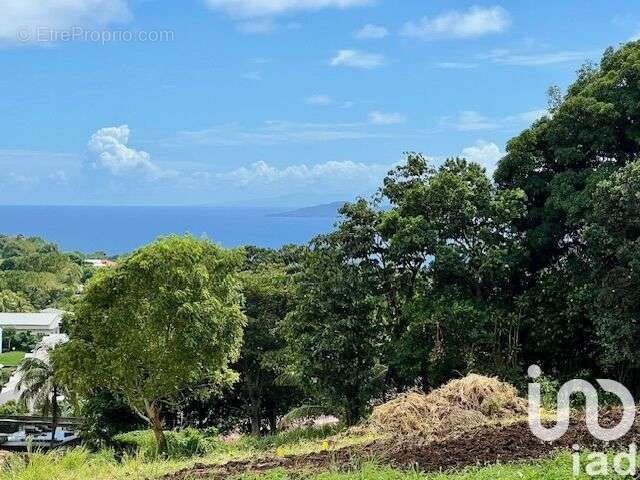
(322, 210)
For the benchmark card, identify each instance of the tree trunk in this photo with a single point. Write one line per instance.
(155, 421)
(353, 413)
(256, 412)
(273, 423)
(255, 425)
(256, 418)
(55, 415)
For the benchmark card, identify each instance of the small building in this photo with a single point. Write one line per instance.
(45, 322)
(100, 262)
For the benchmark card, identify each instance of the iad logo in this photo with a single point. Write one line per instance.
(550, 434)
(597, 462)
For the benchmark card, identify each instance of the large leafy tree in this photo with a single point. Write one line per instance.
(160, 327)
(264, 392)
(455, 232)
(594, 125)
(438, 248)
(268, 289)
(36, 271)
(589, 133)
(335, 333)
(612, 254)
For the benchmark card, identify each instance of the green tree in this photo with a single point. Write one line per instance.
(42, 289)
(268, 291)
(334, 333)
(440, 259)
(612, 255)
(11, 246)
(14, 302)
(105, 416)
(38, 272)
(160, 327)
(451, 233)
(591, 132)
(20, 341)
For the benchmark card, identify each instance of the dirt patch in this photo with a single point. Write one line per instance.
(477, 446)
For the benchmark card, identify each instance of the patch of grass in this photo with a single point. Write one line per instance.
(186, 443)
(558, 467)
(290, 438)
(11, 359)
(303, 440)
(80, 464)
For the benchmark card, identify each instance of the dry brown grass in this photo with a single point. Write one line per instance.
(460, 404)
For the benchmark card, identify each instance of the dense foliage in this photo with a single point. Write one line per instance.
(35, 275)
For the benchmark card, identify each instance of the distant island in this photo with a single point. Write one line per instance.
(324, 210)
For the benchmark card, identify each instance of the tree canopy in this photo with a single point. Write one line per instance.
(162, 325)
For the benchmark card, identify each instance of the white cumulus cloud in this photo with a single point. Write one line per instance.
(386, 118)
(475, 22)
(23, 21)
(357, 59)
(372, 31)
(256, 8)
(108, 149)
(486, 154)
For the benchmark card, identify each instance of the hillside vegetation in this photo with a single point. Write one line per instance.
(35, 275)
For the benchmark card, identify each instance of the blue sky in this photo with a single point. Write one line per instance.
(272, 102)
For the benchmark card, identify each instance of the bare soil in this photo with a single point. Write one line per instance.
(474, 447)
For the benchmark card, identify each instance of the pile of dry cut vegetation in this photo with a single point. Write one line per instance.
(468, 402)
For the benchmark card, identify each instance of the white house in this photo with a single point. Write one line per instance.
(100, 262)
(45, 322)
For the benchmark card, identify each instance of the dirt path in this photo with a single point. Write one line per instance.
(478, 446)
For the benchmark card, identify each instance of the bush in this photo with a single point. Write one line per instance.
(13, 408)
(182, 444)
(549, 387)
(106, 416)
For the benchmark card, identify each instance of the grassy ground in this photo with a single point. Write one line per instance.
(558, 467)
(79, 464)
(11, 359)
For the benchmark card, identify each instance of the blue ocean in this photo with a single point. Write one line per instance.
(117, 230)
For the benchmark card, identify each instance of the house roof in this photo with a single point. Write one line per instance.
(100, 262)
(40, 319)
